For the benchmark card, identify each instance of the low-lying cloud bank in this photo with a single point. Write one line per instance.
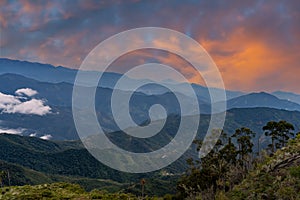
(46, 137)
(26, 91)
(21, 104)
(18, 131)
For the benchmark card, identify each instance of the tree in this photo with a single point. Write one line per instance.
(271, 129)
(209, 173)
(280, 132)
(2, 176)
(244, 139)
(285, 131)
(224, 164)
(229, 152)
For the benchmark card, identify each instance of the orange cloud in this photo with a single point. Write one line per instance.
(244, 60)
(248, 62)
(255, 44)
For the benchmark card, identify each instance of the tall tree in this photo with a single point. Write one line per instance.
(2, 176)
(280, 132)
(285, 131)
(210, 173)
(271, 129)
(244, 139)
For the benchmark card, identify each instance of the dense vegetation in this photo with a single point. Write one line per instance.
(276, 177)
(30, 160)
(58, 191)
(232, 170)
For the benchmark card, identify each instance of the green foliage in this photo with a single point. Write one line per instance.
(279, 132)
(295, 171)
(245, 145)
(157, 185)
(211, 173)
(229, 171)
(232, 172)
(34, 161)
(58, 191)
(276, 177)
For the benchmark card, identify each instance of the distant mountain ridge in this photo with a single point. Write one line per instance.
(52, 74)
(262, 99)
(38, 71)
(58, 95)
(287, 95)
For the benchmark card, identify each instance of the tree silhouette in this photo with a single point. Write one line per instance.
(285, 131)
(271, 129)
(244, 139)
(2, 176)
(280, 132)
(210, 173)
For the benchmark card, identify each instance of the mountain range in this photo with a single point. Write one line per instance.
(49, 111)
(34, 160)
(51, 74)
(40, 144)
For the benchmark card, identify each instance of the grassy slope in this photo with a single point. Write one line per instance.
(57, 191)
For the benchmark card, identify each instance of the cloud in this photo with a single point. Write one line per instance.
(33, 135)
(255, 43)
(33, 106)
(13, 104)
(46, 137)
(26, 91)
(18, 131)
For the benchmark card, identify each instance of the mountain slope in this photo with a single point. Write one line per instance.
(262, 99)
(287, 96)
(47, 152)
(61, 126)
(59, 94)
(34, 161)
(46, 156)
(19, 175)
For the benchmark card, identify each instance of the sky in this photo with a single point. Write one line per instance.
(254, 43)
